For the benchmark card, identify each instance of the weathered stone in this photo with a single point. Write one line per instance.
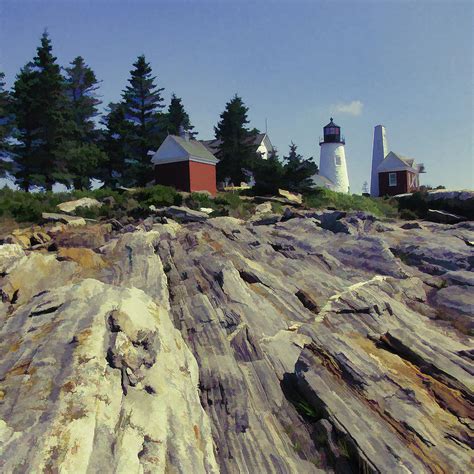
(10, 255)
(292, 197)
(72, 221)
(69, 404)
(263, 208)
(71, 206)
(184, 214)
(411, 225)
(268, 219)
(316, 351)
(443, 217)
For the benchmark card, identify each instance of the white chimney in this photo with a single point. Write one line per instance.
(379, 152)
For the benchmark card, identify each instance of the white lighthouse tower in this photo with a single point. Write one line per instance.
(332, 163)
(379, 152)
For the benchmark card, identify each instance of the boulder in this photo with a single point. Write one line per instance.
(263, 208)
(289, 213)
(443, 217)
(268, 219)
(411, 225)
(10, 255)
(72, 221)
(71, 206)
(109, 201)
(97, 388)
(292, 197)
(207, 210)
(184, 214)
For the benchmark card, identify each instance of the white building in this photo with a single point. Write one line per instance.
(261, 143)
(332, 166)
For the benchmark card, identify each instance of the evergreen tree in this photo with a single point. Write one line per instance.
(84, 158)
(177, 117)
(236, 153)
(143, 103)
(81, 87)
(298, 171)
(116, 142)
(268, 174)
(6, 126)
(43, 121)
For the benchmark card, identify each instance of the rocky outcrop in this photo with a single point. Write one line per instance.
(95, 378)
(184, 214)
(316, 342)
(85, 202)
(435, 215)
(73, 221)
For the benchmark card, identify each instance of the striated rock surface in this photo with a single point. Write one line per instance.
(312, 342)
(95, 378)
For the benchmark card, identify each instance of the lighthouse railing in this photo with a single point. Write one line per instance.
(342, 140)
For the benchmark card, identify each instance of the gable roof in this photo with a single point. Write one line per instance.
(396, 162)
(176, 148)
(195, 148)
(214, 145)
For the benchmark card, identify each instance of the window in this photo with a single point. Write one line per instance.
(392, 179)
(338, 160)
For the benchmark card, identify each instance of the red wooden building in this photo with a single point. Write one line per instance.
(398, 175)
(185, 164)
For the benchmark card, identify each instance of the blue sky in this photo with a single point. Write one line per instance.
(405, 64)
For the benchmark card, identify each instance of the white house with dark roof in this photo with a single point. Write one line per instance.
(261, 142)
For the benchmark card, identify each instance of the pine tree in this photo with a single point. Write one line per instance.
(298, 171)
(81, 87)
(143, 103)
(6, 126)
(116, 142)
(236, 153)
(43, 121)
(177, 117)
(84, 158)
(268, 174)
(27, 170)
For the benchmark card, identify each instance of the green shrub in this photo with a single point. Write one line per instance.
(28, 207)
(229, 199)
(277, 208)
(322, 198)
(417, 204)
(197, 200)
(408, 214)
(158, 196)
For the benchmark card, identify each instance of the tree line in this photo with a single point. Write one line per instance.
(49, 131)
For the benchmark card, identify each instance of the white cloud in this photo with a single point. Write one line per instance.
(351, 108)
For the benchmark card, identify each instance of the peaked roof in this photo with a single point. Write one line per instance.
(396, 162)
(194, 148)
(214, 145)
(176, 148)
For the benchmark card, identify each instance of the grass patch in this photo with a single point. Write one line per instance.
(323, 198)
(277, 208)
